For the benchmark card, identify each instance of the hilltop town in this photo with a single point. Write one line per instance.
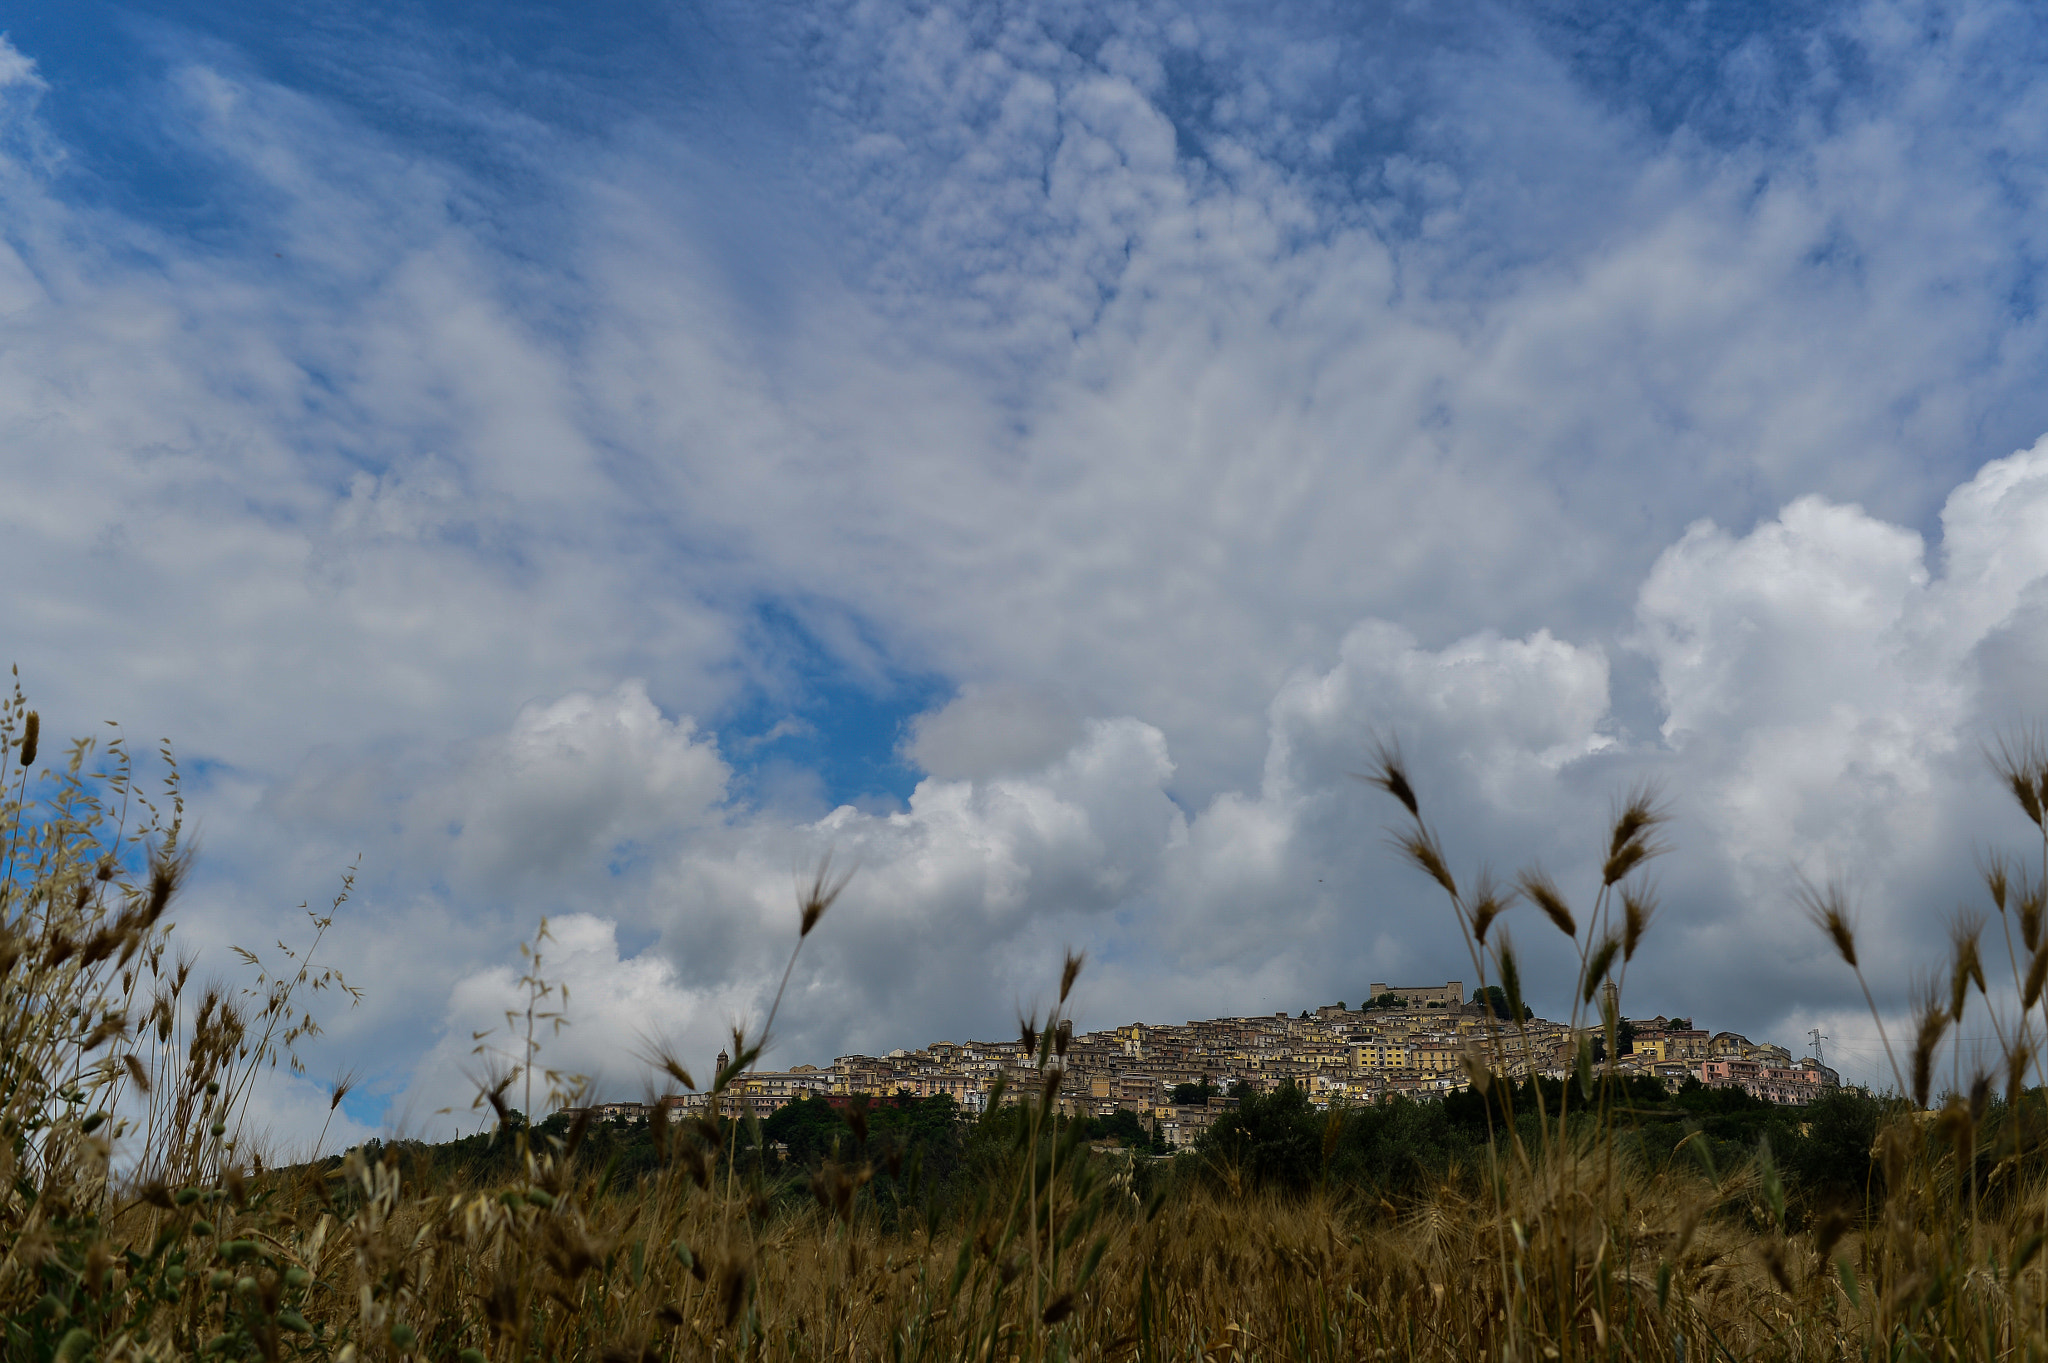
(1410, 1041)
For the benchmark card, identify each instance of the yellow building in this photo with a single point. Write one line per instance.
(1378, 1055)
(1434, 1054)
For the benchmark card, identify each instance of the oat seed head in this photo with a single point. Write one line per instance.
(1539, 889)
(1640, 813)
(659, 1054)
(167, 872)
(1390, 773)
(1968, 965)
(2030, 896)
(1510, 970)
(1629, 845)
(2021, 760)
(1828, 1231)
(825, 887)
(1477, 1072)
(1597, 966)
(1070, 971)
(2037, 975)
(1489, 901)
(1997, 878)
(1932, 1026)
(1419, 845)
(1049, 1088)
(1638, 907)
(342, 1088)
(1773, 1255)
(1827, 907)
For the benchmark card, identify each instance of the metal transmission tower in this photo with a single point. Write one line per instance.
(1817, 1040)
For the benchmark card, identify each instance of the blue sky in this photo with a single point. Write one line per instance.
(590, 464)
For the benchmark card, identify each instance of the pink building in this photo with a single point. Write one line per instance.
(1798, 1086)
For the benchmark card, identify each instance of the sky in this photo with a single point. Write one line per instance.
(590, 464)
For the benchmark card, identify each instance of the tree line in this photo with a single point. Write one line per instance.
(928, 1156)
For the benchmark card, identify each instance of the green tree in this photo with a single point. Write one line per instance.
(1274, 1139)
(1831, 1162)
(1495, 1000)
(1127, 1129)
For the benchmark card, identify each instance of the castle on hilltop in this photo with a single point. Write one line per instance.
(1424, 995)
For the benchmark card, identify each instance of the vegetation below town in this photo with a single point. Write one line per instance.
(929, 1159)
(1588, 1217)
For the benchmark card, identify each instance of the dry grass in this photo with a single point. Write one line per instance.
(1563, 1246)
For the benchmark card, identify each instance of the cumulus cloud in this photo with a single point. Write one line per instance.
(615, 1010)
(991, 730)
(292, 1117)
(1823, 700)
(1189, 394)
(573, 785)
(1121, 332)
(1824, 716)
(1829, 704)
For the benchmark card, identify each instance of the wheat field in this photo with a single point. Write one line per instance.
(138, 1221)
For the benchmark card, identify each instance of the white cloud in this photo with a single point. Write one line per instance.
(1829, 706)
(16, 68)
(990, 731)
(1820, 687)
(1787, 670)
(1250, 385)
(573, 783)
(1816, 664)
(617, 1010)
(290, 1118)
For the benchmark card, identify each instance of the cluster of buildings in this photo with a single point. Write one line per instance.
(1411, 1041)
